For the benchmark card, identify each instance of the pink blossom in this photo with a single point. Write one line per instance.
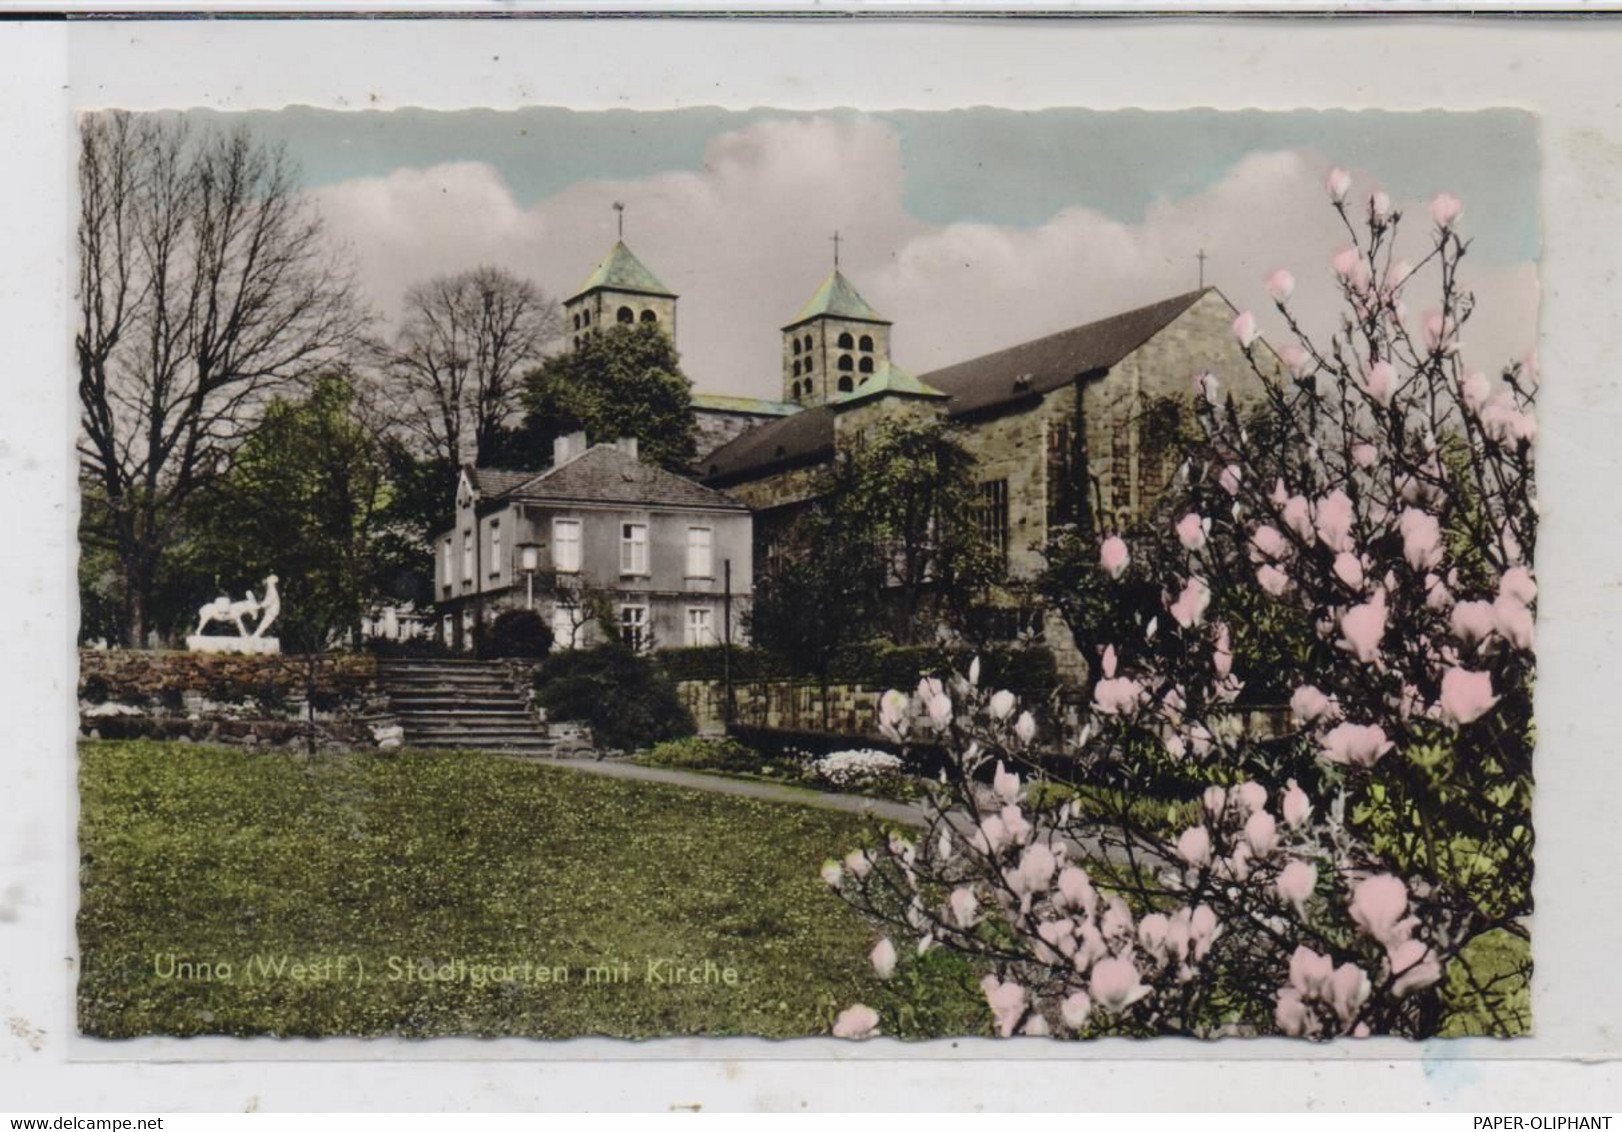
(1311, 973)
(1377, 906)
(883, 957)
(1348, 991)
(1203, 929)
(1025, 727)
(1291, 1015)
(1222, 653)
(1437, 595)
(1036, 1026)
(1092, 947)
(1445, 209)
(856, 1022)
(1230, 479)
(1115, 984)
(964, 906)
(858, 864)
(1421, 538)
(1472, 621)
(1191, 531)
(1513, 620)
(1297, 807)
(1338, 183)
(1005, 784)
(1215, 799)
(1244, 329)
(1194, 846)
(1355, 744)
(1152, 930)
(1298, 517)
(1308, 704)
(992, 836)
(1113, 556)
(1440, 333)
(1251, 796)
(1365, 455)
(1363, 627)
(1076, 890)
(1296, 883)
(1281, 285)
(1014, 823)
(1116, 923)
(832, 875)
(1475, 389)
(1517, 585)
(1415, 966)
(1119, 696)
(1297, 359)
(1466, 695)
(1074, 1010)
(1109, 660)
(1380, 383)
(1348, 567)
(1036, 867)
(1266, 542)
(1007, 1002)
(1333, 520)
(1189, 608)
(1261, 833)
(1346, 261)
(1379, 205)
(1207, 387)
(1002, 705)
(1273, 581)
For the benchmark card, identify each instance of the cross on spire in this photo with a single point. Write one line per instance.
(836, 239)
(619, 213)
(1202, 258)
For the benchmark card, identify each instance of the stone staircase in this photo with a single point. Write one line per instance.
(471, 704)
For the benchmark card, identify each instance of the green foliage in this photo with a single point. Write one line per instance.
(626, 699)
(207, 854)
(870, 663)
(514, 633)
(624, 381)
(696, 752)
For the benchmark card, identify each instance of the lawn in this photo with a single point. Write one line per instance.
(311, 896)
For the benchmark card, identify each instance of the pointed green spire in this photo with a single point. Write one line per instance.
(620, 270)
(836, 298)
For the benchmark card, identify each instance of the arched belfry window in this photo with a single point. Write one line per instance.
(867, 344)
(808, 366)
(649, 316)
(865, 365)
(625, 314)
(796, 346)
(846, 385)
(808, 341)
(844, 363)
(585, 318)
(846, 342)
(796, 369)
(577, 320)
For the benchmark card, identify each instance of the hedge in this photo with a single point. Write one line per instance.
(872, 665)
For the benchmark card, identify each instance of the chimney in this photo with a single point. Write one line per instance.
(566, 448)
(627, 445)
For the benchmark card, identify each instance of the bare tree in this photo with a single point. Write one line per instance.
(205, 285)
(456, 364)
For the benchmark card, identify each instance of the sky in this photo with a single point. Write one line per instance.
(972, 230)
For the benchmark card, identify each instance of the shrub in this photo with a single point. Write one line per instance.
(700, 753)
(515, 633)
(626, 699)
(856, 768)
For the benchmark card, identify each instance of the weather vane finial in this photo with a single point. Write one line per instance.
(1202, 257)
(836, 239)
(619, 214)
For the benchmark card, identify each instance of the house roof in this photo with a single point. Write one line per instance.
(620, 270)
(836, 298)
(753, 406)
(607, 474)
(1045, 364)
(1004, 377)
(888, 379)
(491, 482)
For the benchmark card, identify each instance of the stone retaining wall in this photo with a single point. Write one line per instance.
(130, 674)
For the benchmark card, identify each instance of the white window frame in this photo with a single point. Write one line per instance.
(633, 550)
(566, 564)
(496, 562)
(705, 567)
(700, 630)
(565, 631)
(449, 560)
(468, 569)
(642, 624)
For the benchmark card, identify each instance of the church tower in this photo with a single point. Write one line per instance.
(620, 291)
(833, 344)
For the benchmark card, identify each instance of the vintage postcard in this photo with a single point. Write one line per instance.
(551, 573)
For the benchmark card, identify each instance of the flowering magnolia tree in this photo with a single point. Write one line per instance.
(1353, 535)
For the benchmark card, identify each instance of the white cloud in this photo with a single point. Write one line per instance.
(746, 239)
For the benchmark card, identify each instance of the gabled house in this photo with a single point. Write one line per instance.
(671, 558)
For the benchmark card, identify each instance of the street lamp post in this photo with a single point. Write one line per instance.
(529, 557)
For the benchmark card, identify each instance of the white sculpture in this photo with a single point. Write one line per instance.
(223, 608)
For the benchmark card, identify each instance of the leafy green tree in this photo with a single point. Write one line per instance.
(623, 382)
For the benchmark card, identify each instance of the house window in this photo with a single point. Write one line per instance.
(700, 552)
(449, 563)
(633, 548)
(846, 342)
(566, 546)
(634, 626)
(992, 514)
(467, 558)
(700, 626)
(495, 549)
(565, 627)
(866, 344)
(625, 314)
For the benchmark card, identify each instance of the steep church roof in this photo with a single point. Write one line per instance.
(605, 473)
(836, 298)
(1045, 364)
(620, 270)
(890, 379)
(806, 436)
